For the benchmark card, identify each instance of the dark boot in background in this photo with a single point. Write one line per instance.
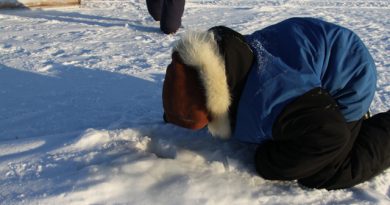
(155, 8)
(172, 11)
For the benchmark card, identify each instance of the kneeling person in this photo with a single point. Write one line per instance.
(299, 89)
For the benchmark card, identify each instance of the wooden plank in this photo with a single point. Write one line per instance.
(36, 3)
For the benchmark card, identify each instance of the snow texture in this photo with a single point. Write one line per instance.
(81, 114)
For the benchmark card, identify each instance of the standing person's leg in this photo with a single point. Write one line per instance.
(370, 155)
(172, 12)
(155, 8)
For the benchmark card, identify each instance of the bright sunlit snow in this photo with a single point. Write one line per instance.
(81, 111)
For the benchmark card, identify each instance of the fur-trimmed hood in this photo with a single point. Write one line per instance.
(217, 62)
(200, 50)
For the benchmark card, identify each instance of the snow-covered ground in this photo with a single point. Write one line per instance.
(81, 114)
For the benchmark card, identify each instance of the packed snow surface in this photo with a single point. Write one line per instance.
(81, 111)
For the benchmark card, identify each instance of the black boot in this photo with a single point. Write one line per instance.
(155, 8)
(172, 12)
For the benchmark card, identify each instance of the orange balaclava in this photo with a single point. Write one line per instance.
(184, 99)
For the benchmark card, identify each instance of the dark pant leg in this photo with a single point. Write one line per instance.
(172, 12)
(308, 136)
(155, 8)
(368, 155)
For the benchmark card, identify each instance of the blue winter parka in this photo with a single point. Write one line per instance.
(293, 57)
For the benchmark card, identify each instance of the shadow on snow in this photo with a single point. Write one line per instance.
(79, 18)
(72, 99)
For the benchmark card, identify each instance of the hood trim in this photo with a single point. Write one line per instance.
(200, 50)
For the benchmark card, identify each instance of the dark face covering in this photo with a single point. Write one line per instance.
(184, 98)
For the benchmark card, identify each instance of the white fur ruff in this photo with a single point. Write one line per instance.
(200, 50)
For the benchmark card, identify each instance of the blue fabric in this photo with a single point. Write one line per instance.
(295, 56)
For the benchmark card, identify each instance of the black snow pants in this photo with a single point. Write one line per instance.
(312, 143)
(168, 12)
